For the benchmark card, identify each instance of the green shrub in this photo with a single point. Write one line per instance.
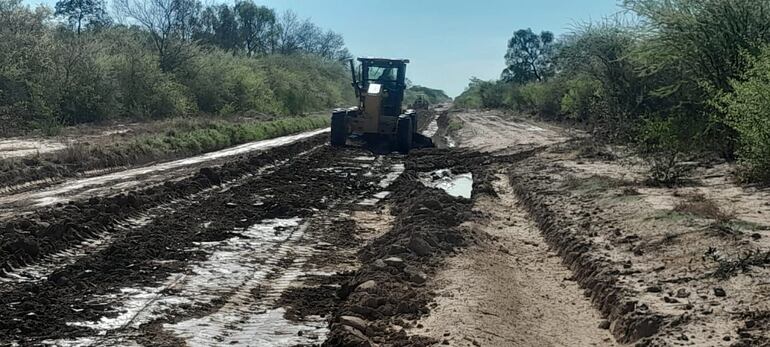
(143, 90)
(470, 97)
(747, 111)
(666, 143)
(225, 84)
(580, 97)
(307, 83)
(541, 98)
(483, 94)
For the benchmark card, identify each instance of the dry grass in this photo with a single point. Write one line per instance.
(740, 263)
(699, 205)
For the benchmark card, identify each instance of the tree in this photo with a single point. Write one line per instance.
(226, 30)
(331, 45)
(169, 25)
(710, 38)
(256, 25)
(82, 12)
(288, 26)
(529, 57)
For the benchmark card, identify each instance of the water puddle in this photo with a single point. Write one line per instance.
(395, 171)
(457, 185)
(375, 199)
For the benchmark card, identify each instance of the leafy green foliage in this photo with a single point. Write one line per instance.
(580, 98)
(747, 111)
(689, 76)
(705, 38)
(50, 78)
(82, 13)
(471, 96)
(529, 57)
(223, 83)
(542, 98)
(665, 144)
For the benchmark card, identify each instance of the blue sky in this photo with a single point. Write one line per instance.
(447, 41)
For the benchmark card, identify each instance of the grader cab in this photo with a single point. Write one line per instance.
(379, 116)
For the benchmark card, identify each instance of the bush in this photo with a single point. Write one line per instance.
(747, 111)
(665, 144)
(580, 98)
(306, 83)
(470, 97)
(541, 98)
(224, 84)
(86, 92)
(483, 94)
(142, 89)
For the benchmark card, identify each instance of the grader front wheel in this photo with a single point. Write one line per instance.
(404, 134)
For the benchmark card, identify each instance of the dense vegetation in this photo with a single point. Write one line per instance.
(161, 58)
(688, 77)
(432, 96)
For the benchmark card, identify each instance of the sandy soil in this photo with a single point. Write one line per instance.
(489, 131)
(18, 147)
(668, 254)
(510, 292)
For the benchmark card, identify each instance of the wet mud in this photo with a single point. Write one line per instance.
(41, 309)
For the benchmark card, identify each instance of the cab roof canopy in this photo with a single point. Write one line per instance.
(384, 61)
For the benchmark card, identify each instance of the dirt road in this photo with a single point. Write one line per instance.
(516, 236)
(132, 179)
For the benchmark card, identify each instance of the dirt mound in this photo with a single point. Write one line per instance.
(388, 291)
(537, 190)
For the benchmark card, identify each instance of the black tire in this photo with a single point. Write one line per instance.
(404, 134)
(339, 133)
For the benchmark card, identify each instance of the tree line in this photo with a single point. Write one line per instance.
(681, 80)
(159, 58)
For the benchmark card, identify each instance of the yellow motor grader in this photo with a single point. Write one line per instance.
(379, 116)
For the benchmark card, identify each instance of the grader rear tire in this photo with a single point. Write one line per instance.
(339, 133)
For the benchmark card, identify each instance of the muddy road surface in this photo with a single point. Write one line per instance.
(510, 233)
(202, 261)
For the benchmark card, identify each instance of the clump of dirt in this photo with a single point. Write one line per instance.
(312, 299)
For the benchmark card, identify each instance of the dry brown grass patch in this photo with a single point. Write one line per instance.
(699, 205)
